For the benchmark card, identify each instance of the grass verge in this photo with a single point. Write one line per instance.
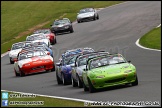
(20, 16)
(152, 39)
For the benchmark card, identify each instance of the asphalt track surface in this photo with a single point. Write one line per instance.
(116, 31)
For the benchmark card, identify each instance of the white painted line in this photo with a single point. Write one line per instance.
(158, 26)
(137, 43)
(2, 55)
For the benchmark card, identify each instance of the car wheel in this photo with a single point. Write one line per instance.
(94, 18)
(91, 88)
(97, 17)
(73, 82)
(78, 21)
(71, 31)
(53, 69)
(55, 41)
(11, 62)
(85, 88)
(22, 73)
(63, 79)
(135, 82)
(16, 74)
(58, 79)
(80, 85)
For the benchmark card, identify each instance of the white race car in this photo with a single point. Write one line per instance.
(16, 48)
(38, 38)
(33, 61)
(87, 14)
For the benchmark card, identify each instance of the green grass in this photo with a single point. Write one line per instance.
(152, 39)
(19, 16)
(48, 102)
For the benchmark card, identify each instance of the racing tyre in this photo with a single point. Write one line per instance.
(16, 74)
(11, 62)
(55, 41)
(94, 18)
(135, 82)
(80, 85)
(97, 17)
(22, 73)
(71, 31)
(63, 79)
(58, 79)
(78, 21)
(53, 69)
(91, 88)
(85, 88)
(73, 82)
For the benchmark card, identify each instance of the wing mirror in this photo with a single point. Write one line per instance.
(48, 53)
(58, 64)
(50, 25)
(72, 65)
(129, 61)
(9, 49)
(85, 69)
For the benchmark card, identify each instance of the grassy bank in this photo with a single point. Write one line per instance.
(20, 16)
(152, 39)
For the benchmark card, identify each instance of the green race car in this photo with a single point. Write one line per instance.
(108, 70)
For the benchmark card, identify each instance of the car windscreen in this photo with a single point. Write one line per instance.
(45, 31)
(82, 60)
(30, 54)
(86, 10)
(59, 22)
(35, 37)
(17, 46)
(107, 60)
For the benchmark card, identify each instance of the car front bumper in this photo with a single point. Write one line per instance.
(112, 81)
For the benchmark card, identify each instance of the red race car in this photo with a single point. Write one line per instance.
(50, 35)
(34, 61)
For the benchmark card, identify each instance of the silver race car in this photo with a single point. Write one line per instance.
(87, 14)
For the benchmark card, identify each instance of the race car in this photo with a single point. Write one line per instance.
(62, 25)
(33, 61)
(64, 67)
(80, 64)
(108, 70)
(50, 35)
(15, 49)
(87, 14)
(38, 38)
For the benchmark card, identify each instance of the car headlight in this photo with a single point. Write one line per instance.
(91, 15)
(127, 71)
(66, 27)
(48, 37)
(79, 17)
(101, 76)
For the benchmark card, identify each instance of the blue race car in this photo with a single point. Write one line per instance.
(64, 67)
